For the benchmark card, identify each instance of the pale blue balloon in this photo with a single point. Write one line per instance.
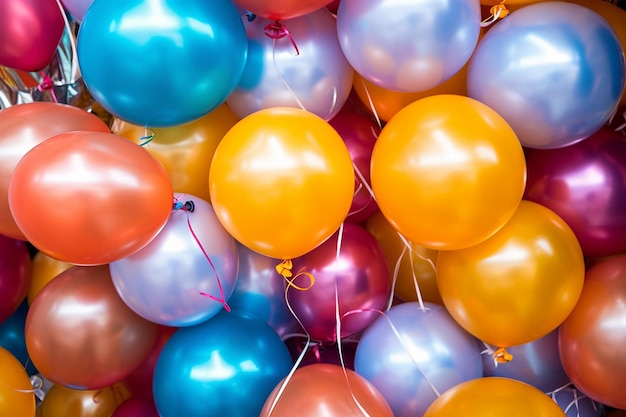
(553, 70)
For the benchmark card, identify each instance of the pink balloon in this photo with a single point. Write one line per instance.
(15, 275)
(359, 274)
(30, 31)
(136, 407)
(359, 134)
(585, 184)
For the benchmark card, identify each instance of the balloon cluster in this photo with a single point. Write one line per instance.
(312, 207)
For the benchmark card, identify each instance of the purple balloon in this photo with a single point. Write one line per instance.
(585, 184)
(260, 292)
(413, 355)
(359, 274)
(298, 63)
(77, 8)
(576, 404)
(171, 281)
(536, 363)
(15, 275)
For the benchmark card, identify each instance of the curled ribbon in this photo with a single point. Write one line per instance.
(285, 269)
(147, 138)
(502, 356)
(47, 85)
(278, 30)
(498, 11)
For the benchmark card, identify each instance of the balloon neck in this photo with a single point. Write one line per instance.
(502, 356)
(285, 270)
(187, 206)
(278, 30)
(499, 11)
(47, 85)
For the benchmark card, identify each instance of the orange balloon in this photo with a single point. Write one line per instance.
(22, 127)
(80, 334)
(45, 269)
(494, 396)
(185, 151)
(518, 285)
(281, 181)
(65, 402)
(448, 172)
(89, 198)
(324, 390)
(17, 397)
(416, 269)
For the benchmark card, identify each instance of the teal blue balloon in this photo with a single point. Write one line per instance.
(226, 366)
(161, 63)
(12, 337)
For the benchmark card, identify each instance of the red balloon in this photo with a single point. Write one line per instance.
(359, 134)
(281, 9)
(15, 275)
(591, 339)
(89, 198)
(585, 184)
(136, 407)
(30, 31)
(359, 274)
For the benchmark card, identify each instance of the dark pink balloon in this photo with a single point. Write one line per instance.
(15, 275)
(585, 184)
(136, 407)
(359, 134)
(358, 278)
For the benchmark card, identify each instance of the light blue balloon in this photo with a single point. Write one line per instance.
(161, 63)
(226, 366)
(553, 70)
(412, 355)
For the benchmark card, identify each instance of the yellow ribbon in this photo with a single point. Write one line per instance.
(285, 269)
(502, 356)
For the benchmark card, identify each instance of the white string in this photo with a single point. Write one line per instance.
(394, 279)
(72, 43)
(282, 78)
(371, 104)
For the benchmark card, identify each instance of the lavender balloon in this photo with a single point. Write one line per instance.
(412, 355)
(296, 63)
(408, 46)
(536, 363)
(260, 292)
(171, 281)
(553, 70)
(576, 404)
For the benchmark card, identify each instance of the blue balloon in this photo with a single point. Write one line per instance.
(226, 366)
(413, 355)
(12, 337)
(553, 70)
(161, 63)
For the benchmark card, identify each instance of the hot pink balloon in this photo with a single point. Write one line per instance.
(136, 407)
(30, 31)
(585, 184)
(358, 277)
(15, 275)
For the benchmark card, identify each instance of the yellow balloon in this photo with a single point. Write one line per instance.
(185, 151)
(17, 396)
(61, 401)
(491, 397)
(448, 172)
(415, 270)
(518, 285)
(281, 181)
(45, 269)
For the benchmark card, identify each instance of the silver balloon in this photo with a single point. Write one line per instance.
(553, 70)
(295, 63)
(171, 281)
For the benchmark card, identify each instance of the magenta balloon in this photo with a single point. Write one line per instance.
(359, 274)
(15, 275)
(359, 134)
(585, 184)
(142, 406)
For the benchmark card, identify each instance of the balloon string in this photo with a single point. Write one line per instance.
(285, 269)
(394, 279)
(189, 207)
(412, 253)
(371, 104)
(282, 78)
(499, 11)
(277, 31)
(621, 127)
(148, 136)
(47, 85)
(72, 43)
(577, 396)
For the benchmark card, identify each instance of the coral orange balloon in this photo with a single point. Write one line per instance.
(448, 172)
(17, 397)
(281, 181)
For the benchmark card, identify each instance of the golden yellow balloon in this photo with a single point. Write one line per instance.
(447, 172)
(416, 270)
(17, 397)
(185, 151)
(45, 269)
(518, 285)
(61, 401)
(491, 397)
(281, 181)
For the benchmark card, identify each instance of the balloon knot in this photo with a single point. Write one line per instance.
(278, 30)
(502, 356)
(188, 206)
(147, 138)
(285, 269)
(499, 11)
(250, 16)
(47, 85)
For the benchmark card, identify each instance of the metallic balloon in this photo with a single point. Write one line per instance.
(585, 184)
(536, 363)
(591, 339)
(16, 392)
(412, 355)
(576, 404)
(186, 274)
(161, 63)
(15, 275)
(408, 46)
(81, 335)
(260, 292)
(64, 402)
(296, 63)
(12, 337)
(225, 366)
(554, 70)
(353, 279)
(281, 9)
(142, 406)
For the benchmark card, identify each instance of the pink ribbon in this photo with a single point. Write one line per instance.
(47, 84)
(278, 30)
